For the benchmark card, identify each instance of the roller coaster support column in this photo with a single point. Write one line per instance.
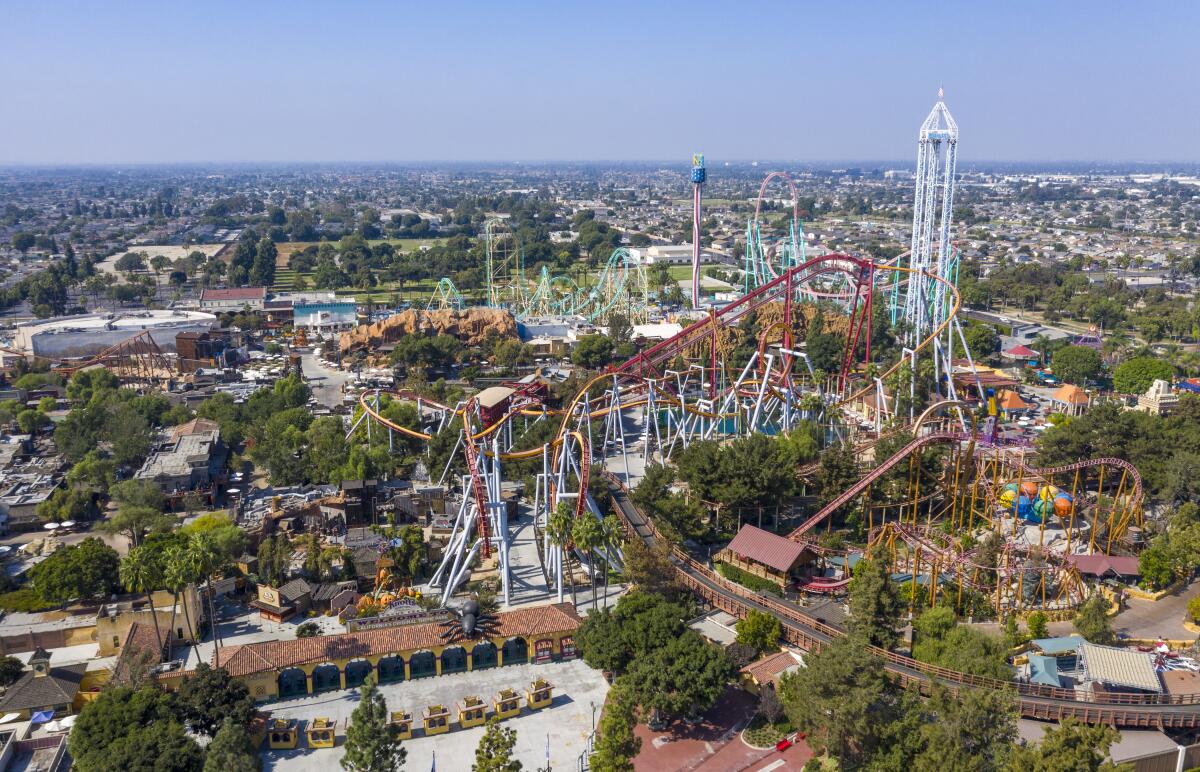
(698, 177)
(712, 373)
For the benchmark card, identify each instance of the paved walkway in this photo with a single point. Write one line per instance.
(1157, 619)
(714, 744)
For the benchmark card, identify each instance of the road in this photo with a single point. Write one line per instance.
(326, 383)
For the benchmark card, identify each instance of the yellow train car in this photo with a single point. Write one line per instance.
(539, 694)
(506, 703)
(321, 733)
(403, 720)
(283, 734)
(436, 720)
(472, 711)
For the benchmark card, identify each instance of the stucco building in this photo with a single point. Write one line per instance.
(290, 668)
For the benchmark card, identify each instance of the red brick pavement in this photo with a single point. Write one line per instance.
(714, 744)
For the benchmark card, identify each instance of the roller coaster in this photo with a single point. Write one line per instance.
(618, 287)
(955, 513)
(929, 506)
(681, 391)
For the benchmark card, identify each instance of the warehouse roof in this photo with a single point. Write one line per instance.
(766, 548)
(493, 395)
(1120, 667)
(1065, 645)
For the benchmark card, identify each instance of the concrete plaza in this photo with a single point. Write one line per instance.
(563, 727)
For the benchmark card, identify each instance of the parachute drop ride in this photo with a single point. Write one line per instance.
(1034, 504)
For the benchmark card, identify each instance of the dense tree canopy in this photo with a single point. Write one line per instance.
(1077, 364)
(132, 729)
(81, 570)
(1135, 376)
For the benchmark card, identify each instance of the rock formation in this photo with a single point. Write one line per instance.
(471, 326)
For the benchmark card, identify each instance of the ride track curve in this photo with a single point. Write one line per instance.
(948, 437)
(1166, 711)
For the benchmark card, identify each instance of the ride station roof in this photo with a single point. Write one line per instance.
(766, 548)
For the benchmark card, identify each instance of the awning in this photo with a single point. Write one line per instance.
(8, 718)
(42, 716)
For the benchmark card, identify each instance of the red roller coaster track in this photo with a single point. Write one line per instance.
(859, 487)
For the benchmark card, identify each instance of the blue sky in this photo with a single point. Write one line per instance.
(258, 80)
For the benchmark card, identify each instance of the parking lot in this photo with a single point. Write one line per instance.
(560, 730)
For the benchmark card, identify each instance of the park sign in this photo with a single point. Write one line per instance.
(402, 611)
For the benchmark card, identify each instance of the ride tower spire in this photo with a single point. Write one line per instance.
(698, 177)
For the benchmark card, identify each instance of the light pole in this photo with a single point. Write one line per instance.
(593, 704)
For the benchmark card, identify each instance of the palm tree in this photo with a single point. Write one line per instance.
(558, 529)
(177, 577)
(205, 560)
(141, 573)
(587, 532)
(613, 535)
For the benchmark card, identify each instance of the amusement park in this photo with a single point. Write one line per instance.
(955, 509)
(676, 485)
(861, 362)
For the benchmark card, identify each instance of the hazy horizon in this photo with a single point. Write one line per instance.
(374, 83)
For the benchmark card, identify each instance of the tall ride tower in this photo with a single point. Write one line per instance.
(924, 304)
(698, 177)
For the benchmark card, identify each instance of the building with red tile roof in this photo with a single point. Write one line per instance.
(287, 668)
(769, 669)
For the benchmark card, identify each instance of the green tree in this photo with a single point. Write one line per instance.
(649, 568)
(1156, 564)
(138, 493)
(232, 750)
(1037, 625)
(1072, 745)
(617, 744)
(32, 421)
(940, 640)
(1136, 375)
(588, 534)
(81, 570)
(972, 729)
(262, 270)
(1092, 622)
(843, 700)
(760, 630)
(558, 529)
(1076, 364)
(132, 729)
(593, 351)
(875, 604)
(494, 753)
(372, 744)
(640, 623)
(11, 669)
(685, 677)
(135, 522)
(209, 696)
